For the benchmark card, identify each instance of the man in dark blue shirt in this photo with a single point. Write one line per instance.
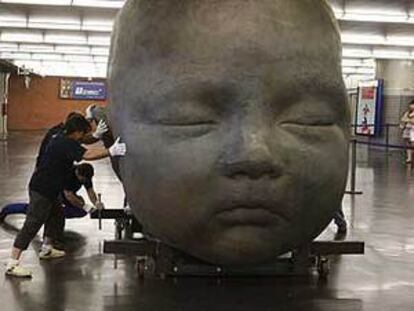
(101, 129)
(47, 183)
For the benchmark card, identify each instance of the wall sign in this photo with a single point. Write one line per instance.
(82, 90)
(369, 108)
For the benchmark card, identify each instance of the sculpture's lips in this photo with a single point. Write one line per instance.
(248, 215)
(251, 211)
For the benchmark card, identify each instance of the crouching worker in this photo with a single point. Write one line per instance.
(73, 205)
(47, 183)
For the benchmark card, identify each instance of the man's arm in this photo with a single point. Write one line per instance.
(89, 139)
(117, 149)
(73, 199)
(92, 196)
(92, 154)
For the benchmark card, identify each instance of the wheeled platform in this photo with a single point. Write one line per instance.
(158, 259)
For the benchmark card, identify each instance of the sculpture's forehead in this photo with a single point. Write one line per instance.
(283, 46)
(220, 29)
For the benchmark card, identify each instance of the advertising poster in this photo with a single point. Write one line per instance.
(369, 108)
(82, 90)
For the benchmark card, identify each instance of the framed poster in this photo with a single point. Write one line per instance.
(368, 112)
(82, 90)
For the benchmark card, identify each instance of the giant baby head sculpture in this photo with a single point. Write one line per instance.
(235, 118)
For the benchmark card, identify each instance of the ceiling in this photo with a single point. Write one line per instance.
(72, 37)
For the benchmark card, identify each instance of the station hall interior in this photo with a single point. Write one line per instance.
(54, 60)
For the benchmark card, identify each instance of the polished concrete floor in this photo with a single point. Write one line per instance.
(383, 279)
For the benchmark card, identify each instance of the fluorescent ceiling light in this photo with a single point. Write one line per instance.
(392, 54)
(36, 48)
(347, 70)
(103, 24)
(45, 56)
(66, 37)
(101, 51)
(54, 26)
(401, 40)
(104, 40)
(100, 59)
(116, 4)
(78, 58)
(375, 18)
(12, 18)
(12, 56)
(362, 38)
(21, 36)
(12, 24)
(40, 2)
(358, 63)
(357, 52)
(8, 47)
(54, 20)
(73, 49)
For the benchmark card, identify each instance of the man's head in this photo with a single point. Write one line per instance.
(84, 172)
(235, 117)
(77, 127)
(73, 114)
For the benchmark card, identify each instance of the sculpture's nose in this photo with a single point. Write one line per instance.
(248, 152)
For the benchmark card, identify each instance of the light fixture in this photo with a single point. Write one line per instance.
(101, 51)
(99, 39)
(39, 2)
(8, 47)
(15, 56)
(391, 53)
(21, 36)
(78, 58)
(363, 38)
(352, 52)
(53, 18)
(115, 4)
(73, 49)
(46, 56)
(36, 48)
(66, 37)
(12, 18)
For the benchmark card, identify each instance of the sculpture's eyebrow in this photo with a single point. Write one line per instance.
(207, 93)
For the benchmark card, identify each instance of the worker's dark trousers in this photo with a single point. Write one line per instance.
(41, 211)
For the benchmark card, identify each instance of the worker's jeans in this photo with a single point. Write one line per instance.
(41, 211)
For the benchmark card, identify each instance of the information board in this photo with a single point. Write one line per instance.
(82, 90)
(369, 108)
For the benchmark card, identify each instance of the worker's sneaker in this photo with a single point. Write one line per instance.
(18, 271)
(51, 253)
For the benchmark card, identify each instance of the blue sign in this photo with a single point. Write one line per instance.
(83, 90)
(89, 90)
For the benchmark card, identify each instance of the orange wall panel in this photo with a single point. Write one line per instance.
(39, 107)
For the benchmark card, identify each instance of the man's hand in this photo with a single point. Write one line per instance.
(117, 149)
(101, 129)
(89, 208)
(99, 206)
